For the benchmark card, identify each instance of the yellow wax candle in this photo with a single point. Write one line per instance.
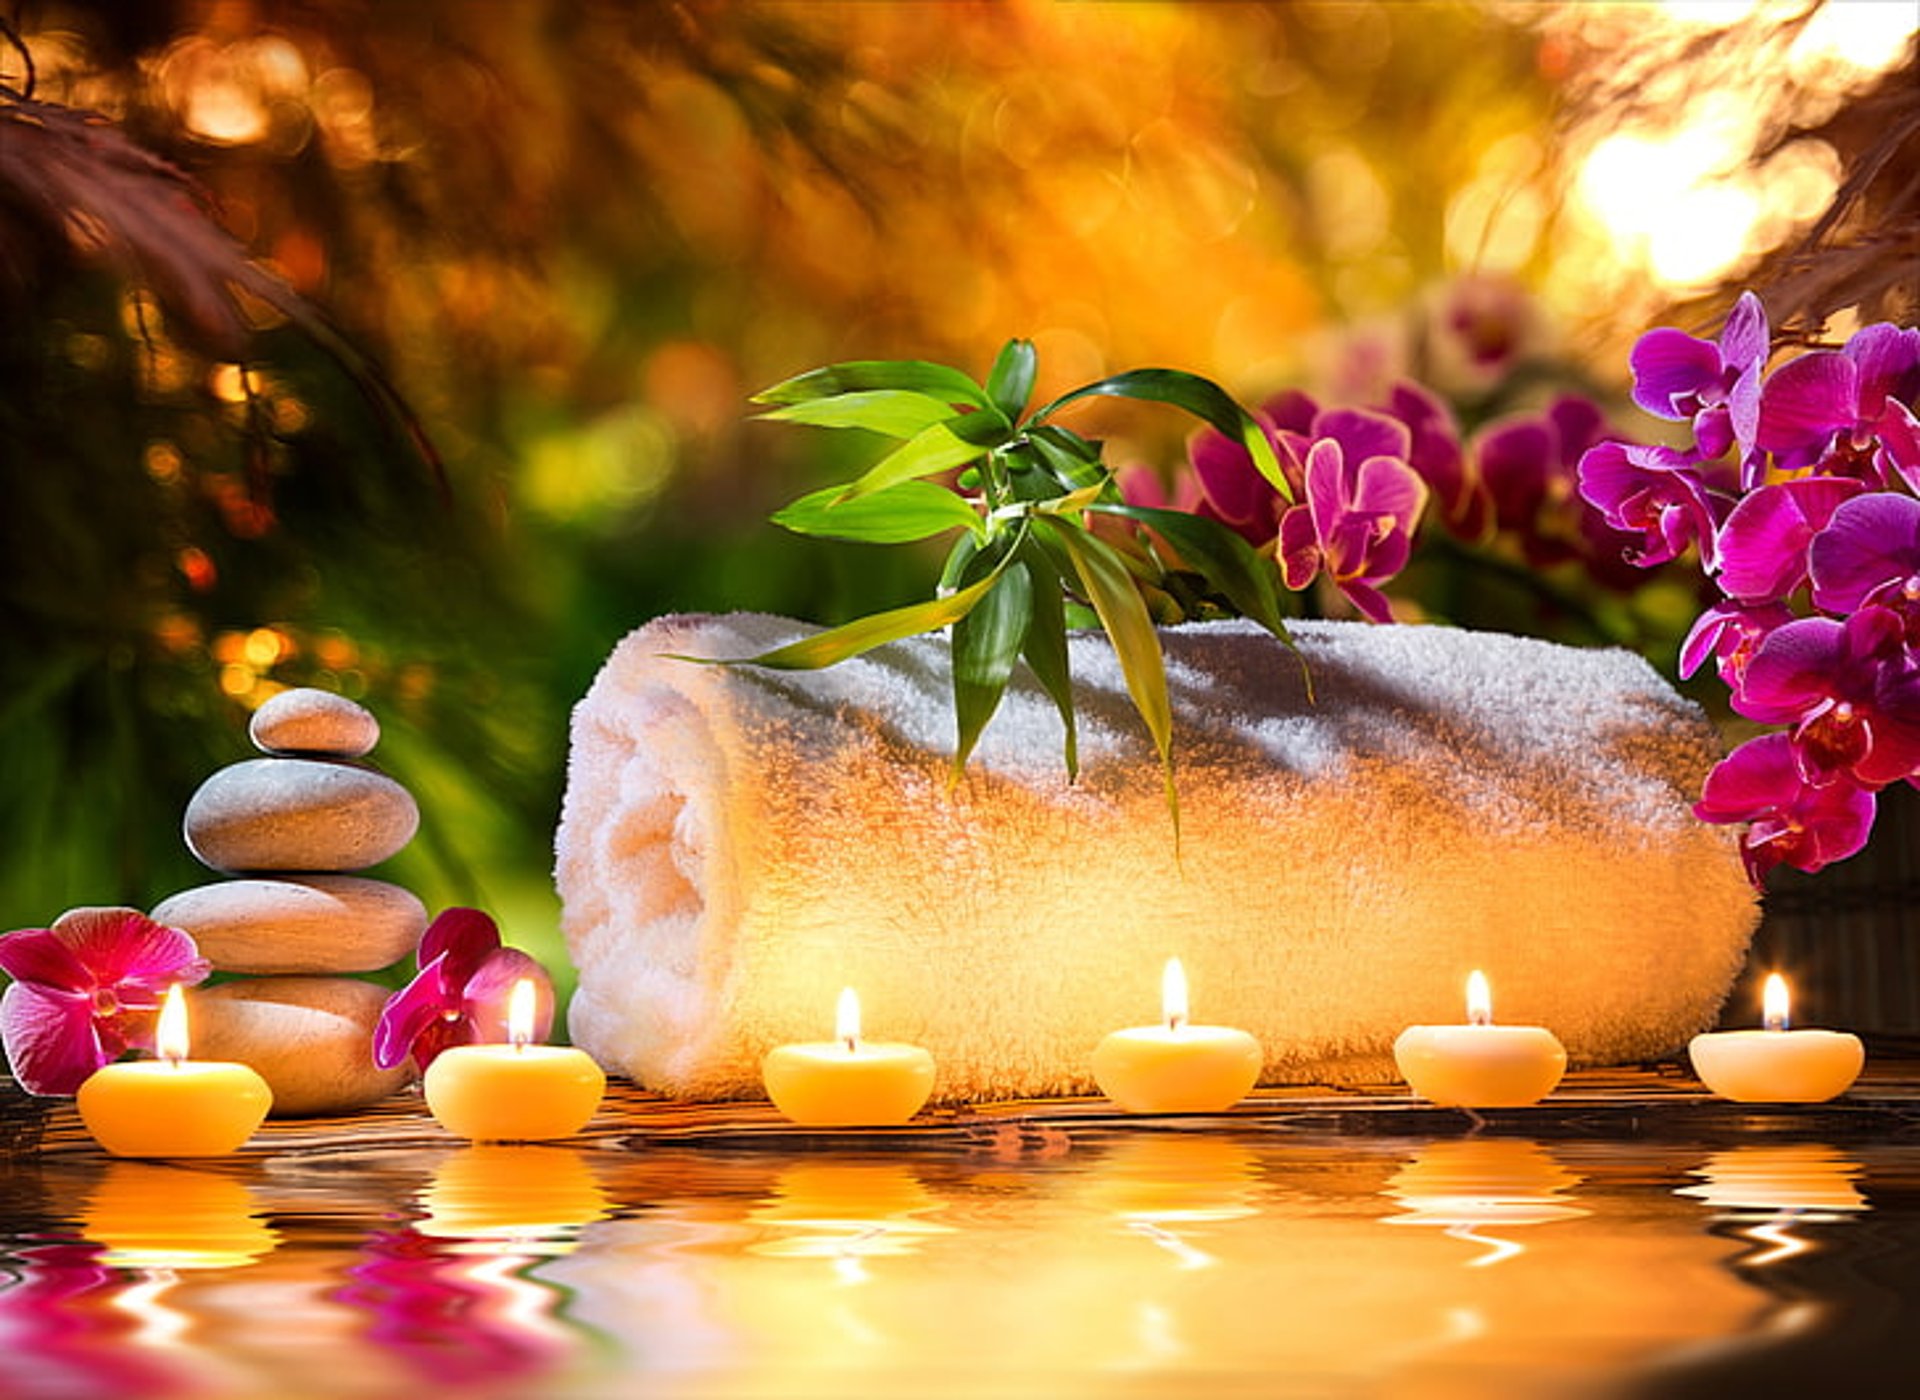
(1776, 1064)
(173, 1106)
(515, 1092)
(1176, 1067)
(848, 1082)
(1480, 1065)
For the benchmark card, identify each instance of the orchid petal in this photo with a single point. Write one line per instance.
(410, 1011)
(1670, 369)
(1370, 600)
(485, 996)
(1743, 340)
(1806, 400)
(464, 937)
(124, 945)
(1514, 456)
(1888, 357)
(1763, 545)
(1362, 433)
(41, 956)
(1233, 485)
(1870, 541)
(1791, 673)
(1299, 548)
(49, 1038)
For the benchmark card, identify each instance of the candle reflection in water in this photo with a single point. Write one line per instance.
(847, 1212)
(514, 1197)
(1764, 1191)
(1471, 1186)
(1163, 1185)
(458, 1296)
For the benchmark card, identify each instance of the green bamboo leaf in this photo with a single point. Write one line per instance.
(1045, 647)
(1235, 569)
(898, 413)
(863, 634)
(1070, 457)
(985, 644)
(1109, 587)
(1202, 398)
(942, 382)
(1010, 382)
(958, 558)
(935, 449)
(911, 510)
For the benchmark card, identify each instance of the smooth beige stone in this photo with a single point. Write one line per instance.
(310, 1038)
(298, 814)
(317, 923)
(313, 721)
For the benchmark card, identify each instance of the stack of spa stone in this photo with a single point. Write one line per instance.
(290, 827)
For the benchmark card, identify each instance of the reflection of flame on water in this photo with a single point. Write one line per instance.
(846, 1212)
(1764, 1191)
(153, 1216)
(526, 1199)
(1467, 1185)
(1155, 1183)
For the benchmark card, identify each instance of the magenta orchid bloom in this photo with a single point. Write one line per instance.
(1232, 490)
(1793, 822)
(1716, 384)
(1849, 689)
(1868, 552)
(1730, 633)
(1435, 452)
(1845, 412)
(1656, 493)
(460, 995)
(1357, 523)
(1763, 544)
(87, 990)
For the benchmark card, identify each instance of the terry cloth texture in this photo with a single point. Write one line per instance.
(738, 844)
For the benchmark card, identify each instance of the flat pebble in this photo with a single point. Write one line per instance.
(278, 814)
(318, 923)
(310, 1038)
(313, 721)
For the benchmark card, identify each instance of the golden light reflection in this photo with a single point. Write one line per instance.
(527, 1199)
(1764, 1192)
(846, 1212)
(153, 1216)
(1471, 1186)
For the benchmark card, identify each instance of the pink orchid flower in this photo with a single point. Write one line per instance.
(87, 990)
(460, 995)
(1357, 524)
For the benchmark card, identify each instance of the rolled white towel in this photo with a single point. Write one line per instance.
(737, 844)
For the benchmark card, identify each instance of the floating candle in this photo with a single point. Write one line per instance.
(1176, 1067)
(516, 1092)
(847, 1082)
(1777, 1065)
(1480, 1065)
(173, 1106)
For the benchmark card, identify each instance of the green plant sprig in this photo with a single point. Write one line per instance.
(1024, 553)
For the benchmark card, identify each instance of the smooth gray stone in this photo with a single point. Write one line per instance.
(310, 1038)
(313, 721)
(298, 814)
(316, 923)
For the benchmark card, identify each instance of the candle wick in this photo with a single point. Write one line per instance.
(1776, 1022)
(1175, 1020)
(853, 1045)
(1479, 1017)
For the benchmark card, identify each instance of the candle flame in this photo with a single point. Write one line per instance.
(1773, 1002)
(846, 1018)
(170, 1034)
(1479, 999)
(520, 1007)
(1173, 994)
